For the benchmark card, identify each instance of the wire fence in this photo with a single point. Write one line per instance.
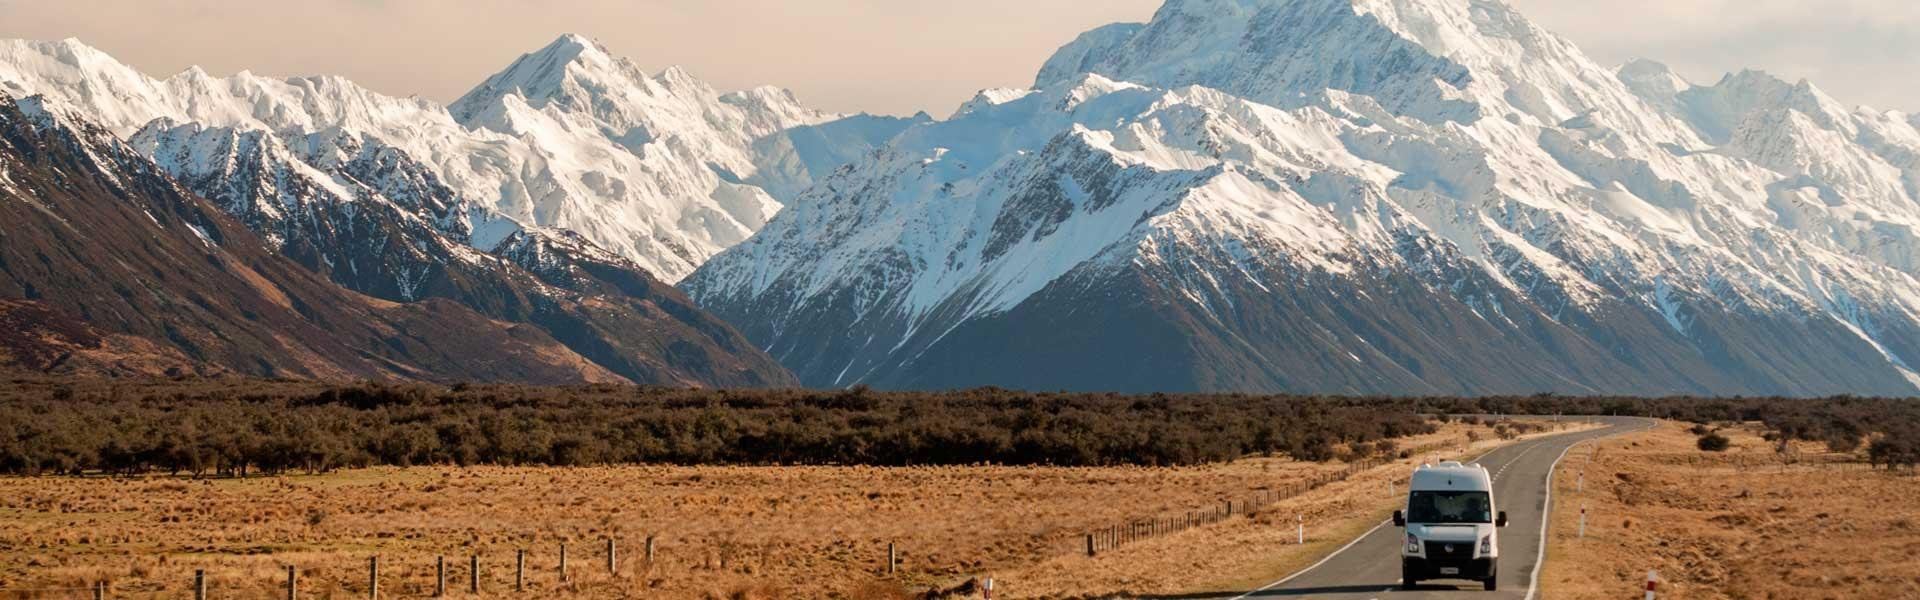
(1139, 529)
(474, 575)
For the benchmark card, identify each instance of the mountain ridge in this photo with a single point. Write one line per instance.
(1444, 151)
(345, 203)
(1331, 196)
(665, 206)
(110, 267)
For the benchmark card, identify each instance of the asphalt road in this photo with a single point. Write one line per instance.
(1370, 567)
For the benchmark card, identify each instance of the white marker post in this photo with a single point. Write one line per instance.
(1653, 581)
(987, 590)
(1580, 484)
(1583, 521)
(1302, 529)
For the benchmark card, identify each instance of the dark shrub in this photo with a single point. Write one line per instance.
(1714, 442)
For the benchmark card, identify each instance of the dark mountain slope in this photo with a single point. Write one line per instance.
(104, 257)
(370, 218)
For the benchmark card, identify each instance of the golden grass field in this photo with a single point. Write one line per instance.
(720, 532)
(1747, 523)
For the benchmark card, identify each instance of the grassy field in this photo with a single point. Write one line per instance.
(720, 532)
(1751, 522)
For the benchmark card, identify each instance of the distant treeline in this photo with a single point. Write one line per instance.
(242, 426)
(239, 427)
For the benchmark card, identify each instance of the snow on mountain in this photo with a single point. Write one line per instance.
(131, 274)
(659, 168)
(1258, 168)
(330, 175)
(328, 220)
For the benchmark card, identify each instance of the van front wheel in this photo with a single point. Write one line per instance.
(1493, 583)
(1407, 582)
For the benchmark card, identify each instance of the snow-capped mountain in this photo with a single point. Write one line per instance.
(322, 171)
(1414, 196)
(661, 168)
(666, 166)
(112, 267)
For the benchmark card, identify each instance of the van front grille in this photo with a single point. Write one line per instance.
(1449, 549)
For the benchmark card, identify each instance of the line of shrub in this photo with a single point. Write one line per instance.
(234, 428)
(238, 426)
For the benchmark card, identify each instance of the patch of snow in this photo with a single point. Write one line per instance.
(200, 233)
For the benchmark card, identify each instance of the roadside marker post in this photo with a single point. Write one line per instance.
(1583, 521)
(1653, 581)
(1302, 529)
(613, 558)
(987, 591)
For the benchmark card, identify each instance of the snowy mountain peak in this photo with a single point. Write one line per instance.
(1279, 52)
(1242, 179)
(661, 168)
(542, 74)
(1652, 79)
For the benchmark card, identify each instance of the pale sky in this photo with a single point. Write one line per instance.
(894, 56)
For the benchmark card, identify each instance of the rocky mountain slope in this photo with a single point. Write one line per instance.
(1406, 196)
(311, 169)
(108, 266)
(658, 168)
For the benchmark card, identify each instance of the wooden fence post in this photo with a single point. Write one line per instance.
(649, 550)
(100, 590)
(893, 558)
(563, 562)
(373, 577)
(199, 584)
(520, 570)
(440, 577)
(473, 574)
(1090, 545)
(293, 583)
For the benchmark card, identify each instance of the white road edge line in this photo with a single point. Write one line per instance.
(1323, 561)
(1546, 511)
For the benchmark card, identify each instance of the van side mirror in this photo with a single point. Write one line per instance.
(1399, 519)
(1501, 521)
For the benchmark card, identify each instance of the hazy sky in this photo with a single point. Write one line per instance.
(894, 56)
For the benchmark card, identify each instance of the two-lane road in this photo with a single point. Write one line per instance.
(1370, 566)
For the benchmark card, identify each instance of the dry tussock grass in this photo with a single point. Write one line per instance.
(720, 532)
(1749, 523)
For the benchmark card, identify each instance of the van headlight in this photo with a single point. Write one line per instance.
(1486, 545)
(1413, 544)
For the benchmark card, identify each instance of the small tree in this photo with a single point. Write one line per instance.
(1714, 442)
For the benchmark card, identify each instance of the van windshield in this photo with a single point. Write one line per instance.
(1449, 507)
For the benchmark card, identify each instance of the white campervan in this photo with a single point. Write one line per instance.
(1452, 527)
